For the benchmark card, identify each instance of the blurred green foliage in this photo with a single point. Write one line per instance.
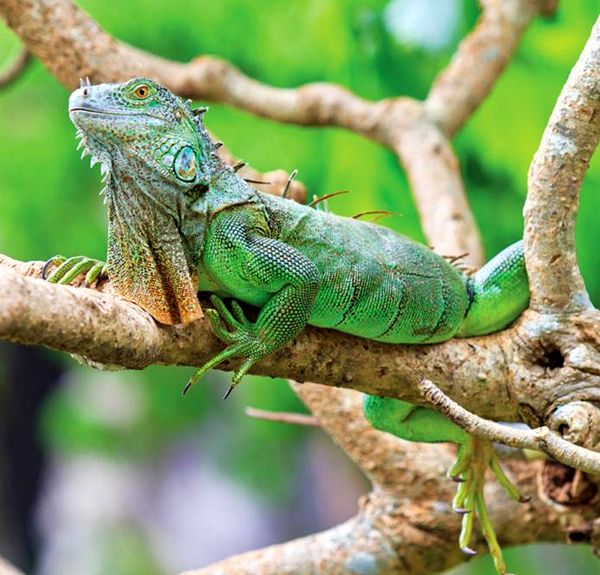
(49, 202)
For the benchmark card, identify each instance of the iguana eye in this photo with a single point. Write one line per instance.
(141, 92)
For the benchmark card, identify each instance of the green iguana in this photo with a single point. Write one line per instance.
(182, 221)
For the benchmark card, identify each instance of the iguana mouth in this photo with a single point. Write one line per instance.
(112, 113)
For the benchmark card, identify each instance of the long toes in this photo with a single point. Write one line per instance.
(197, 376)
(505, 481)
(79, 268)
(218, 328)
(95, 273)
(63, 270)
(244, 368)
(468, 551)
(223, 311)
(238, 312)
(54, 261)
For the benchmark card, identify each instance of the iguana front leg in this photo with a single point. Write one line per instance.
(240, 256)
(474, 458)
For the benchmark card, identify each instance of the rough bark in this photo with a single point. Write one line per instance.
(555, 177)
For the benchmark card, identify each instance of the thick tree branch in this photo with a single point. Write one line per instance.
(555, 177)
(398, 534)
(342, 549)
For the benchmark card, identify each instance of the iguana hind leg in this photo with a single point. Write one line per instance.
(474, 458)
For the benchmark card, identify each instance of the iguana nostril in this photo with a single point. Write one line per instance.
(84, 86)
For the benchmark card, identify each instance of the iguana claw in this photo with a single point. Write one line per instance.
(233, 328)
(67, 269)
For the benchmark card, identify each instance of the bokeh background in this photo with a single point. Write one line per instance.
(113, 472)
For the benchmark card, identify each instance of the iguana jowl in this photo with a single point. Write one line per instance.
(182, 221)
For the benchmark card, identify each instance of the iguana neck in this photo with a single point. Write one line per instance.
(141, 198)
(226, 189)
(151, 261)
(144, 202)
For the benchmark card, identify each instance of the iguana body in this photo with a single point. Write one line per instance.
(180, 220)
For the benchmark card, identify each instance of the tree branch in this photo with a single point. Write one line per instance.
(108, 330)
(540, 439)
(282, 417)
(15, 68)
(555, 176)
(434, 172)
(398, 534)
(399, 123)
(479, 61)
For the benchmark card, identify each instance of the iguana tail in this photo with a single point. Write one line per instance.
(499, 293)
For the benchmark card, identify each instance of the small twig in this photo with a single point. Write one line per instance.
(15, 68)
(540, 439)
(283, 417)
(453, 259)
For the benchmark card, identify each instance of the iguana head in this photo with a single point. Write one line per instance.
(155, 155)
(141, 120)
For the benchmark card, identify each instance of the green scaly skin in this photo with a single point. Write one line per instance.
(181, 221)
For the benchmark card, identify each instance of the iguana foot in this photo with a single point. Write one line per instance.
(242, 337)
(67, 269)
(474, 458)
